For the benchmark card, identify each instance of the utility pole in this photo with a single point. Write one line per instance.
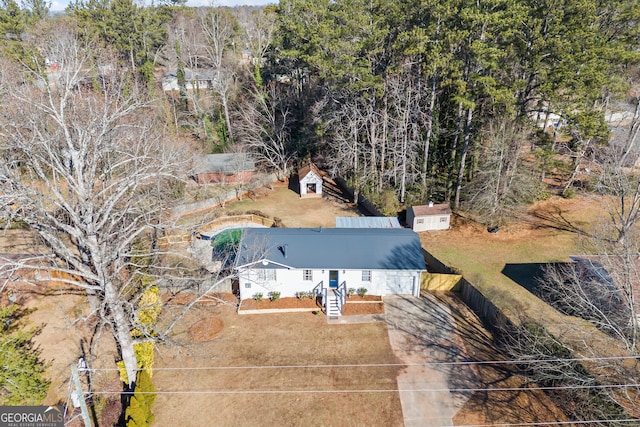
(79, 396)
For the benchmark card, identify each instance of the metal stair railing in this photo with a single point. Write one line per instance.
(321, 291)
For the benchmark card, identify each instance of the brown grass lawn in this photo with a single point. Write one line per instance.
(294, 211)
(285, 204)
(238, 378)
(544, 233)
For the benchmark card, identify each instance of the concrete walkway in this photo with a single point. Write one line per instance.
(422, 331)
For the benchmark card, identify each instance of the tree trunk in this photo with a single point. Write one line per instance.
(383, 148)
(453, 153)
(463, 156)
(122, 332)
(576, 166)
(429, 129)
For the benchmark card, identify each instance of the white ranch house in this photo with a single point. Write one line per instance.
(329, 261)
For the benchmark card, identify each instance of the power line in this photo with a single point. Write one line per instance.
(421, 390)
(380, 365)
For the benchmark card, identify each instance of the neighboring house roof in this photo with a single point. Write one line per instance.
(305, 170)
(426, 210)
(201, 79)
(367, 222)
(190, 76)
(226, 162)
(611, 270)
(331, 248)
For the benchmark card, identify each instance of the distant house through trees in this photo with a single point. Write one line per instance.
(225, 168)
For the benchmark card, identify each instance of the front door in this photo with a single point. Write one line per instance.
(333, 279)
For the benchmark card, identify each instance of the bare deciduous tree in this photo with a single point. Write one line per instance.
(86, 167)
(500, 183)
(598, 289)
(263, 127)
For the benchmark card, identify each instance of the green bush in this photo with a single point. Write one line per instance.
(569, 193)
(306, 294)
(351, 292)
(22, 373)
(362, 291)
(138, 413)
(274, 295)
(257, 296)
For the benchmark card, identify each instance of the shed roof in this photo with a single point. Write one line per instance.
(331, 248)
(226, 162)
(426, 210)
(193, 75)
(367, 222)
(305, 170)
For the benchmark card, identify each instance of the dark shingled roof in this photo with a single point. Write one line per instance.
(332, 248)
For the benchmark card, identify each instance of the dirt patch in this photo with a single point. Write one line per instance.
(185, 297)
(206, 329)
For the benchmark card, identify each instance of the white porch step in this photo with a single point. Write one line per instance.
(333, 305)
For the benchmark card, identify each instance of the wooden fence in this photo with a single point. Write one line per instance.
(183, 237)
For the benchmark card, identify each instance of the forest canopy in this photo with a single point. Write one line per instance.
(478, 104)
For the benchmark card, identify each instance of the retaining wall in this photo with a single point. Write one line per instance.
(233, 194)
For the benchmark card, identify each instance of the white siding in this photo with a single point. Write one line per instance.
(431, 222)
(289, 282)
(310, 178)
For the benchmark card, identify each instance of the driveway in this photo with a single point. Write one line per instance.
(423, 335)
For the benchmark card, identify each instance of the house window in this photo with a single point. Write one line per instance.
(366, 275)
(307, 275)
(247, 285)
(265, 274)
(443, 219)
(420, 221)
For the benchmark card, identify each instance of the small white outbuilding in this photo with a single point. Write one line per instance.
(310, 179)
(429, 217)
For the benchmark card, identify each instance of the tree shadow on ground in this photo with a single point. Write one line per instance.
(461, 346)
(527, 275)
(553, 217)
